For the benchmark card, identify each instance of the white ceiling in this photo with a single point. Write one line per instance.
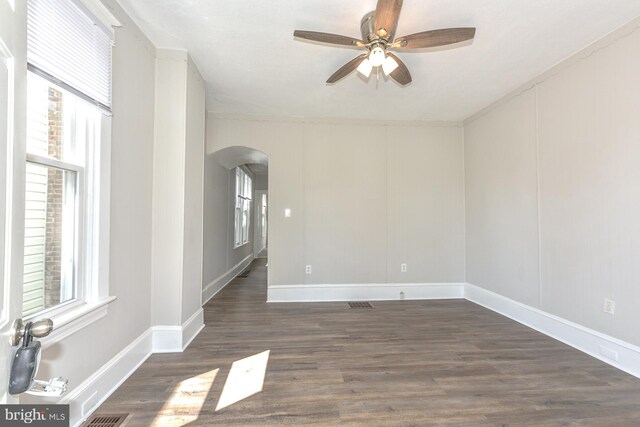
(231, 157)
(259, 168)
(253, 65)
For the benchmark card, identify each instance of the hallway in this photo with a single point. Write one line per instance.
(447, 362)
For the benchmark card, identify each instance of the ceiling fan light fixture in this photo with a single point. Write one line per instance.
(376, 57)
(378, 30)
(389, 65)
(365, 68)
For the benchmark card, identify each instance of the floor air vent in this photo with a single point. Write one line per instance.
(245, 273)
(106, 420)
(362, 304)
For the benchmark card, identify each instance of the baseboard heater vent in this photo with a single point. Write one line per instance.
(245, 273)
(360, 304)
(106, 420)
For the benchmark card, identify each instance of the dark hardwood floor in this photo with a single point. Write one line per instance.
(420, 363)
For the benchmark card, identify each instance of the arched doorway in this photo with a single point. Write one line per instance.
(236, 197)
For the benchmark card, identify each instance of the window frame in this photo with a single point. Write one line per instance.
(77, 314)
(242, 208)
(91, 281)
(263, 215)
(79, 231)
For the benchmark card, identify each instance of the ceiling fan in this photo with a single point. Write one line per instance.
(378, 29)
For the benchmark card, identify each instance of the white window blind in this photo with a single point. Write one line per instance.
(67, 46)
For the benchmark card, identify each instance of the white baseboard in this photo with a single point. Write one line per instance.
(218, 284)
(192, 327)
(174, 339)
(89, 395)
(93, 391)
(364, 292)
(612, 351)
(166, 339)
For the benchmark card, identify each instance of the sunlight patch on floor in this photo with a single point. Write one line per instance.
(245, 379)
(186, 401)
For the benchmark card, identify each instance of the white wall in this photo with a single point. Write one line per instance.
(80, 355)
(554, 171)
(216, 220)
(193, 197)
(501, 201)
(345, 201)
(262, 182)
(221, 260)
(260, 241)
(425, 216)
(178, 189)
(259, 233)
(364, 196)
(169, 186)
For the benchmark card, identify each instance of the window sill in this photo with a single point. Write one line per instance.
(76, 319)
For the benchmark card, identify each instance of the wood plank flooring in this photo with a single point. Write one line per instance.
(445, 363)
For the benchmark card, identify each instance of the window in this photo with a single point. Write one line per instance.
(263, 216)
(243, 208)
(68, 108)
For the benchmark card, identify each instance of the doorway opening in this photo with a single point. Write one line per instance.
(236, 215)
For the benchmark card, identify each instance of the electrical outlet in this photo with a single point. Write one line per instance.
(609, 306)
(308, 269)
(287, 213)
(403, 268)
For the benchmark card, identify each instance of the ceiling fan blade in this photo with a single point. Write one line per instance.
(387, 14)
(328, 38)
(434, 38)
(400, 74)
(347, 68)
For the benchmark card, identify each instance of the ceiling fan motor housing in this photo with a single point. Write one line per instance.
(366, 26)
